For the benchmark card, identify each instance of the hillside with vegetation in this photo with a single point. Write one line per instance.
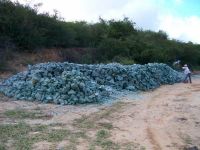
(24, 30)
(123, 114)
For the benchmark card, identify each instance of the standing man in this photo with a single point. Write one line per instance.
(187, 73)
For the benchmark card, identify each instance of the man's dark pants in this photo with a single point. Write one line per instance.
(188, 76)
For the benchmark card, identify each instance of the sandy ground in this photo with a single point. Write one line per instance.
(167, 118)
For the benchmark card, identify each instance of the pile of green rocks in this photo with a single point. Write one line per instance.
(69, 83)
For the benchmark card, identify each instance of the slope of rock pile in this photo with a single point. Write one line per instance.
(68, 83)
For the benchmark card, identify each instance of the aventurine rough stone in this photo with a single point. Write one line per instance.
(68, 83)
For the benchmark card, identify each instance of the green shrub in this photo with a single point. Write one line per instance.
(123, 60)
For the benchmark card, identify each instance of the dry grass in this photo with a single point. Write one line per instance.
(24, 136)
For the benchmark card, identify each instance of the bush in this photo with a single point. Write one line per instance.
(29, 30)
(6, 48)
(123, 60)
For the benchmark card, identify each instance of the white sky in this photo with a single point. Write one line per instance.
(147, 14)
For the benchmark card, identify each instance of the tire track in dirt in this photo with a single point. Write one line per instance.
(151, 136)
(155, 130)
(151, 133)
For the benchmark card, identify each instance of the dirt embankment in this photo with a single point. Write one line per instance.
(167, 118)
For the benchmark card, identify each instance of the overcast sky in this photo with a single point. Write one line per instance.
(180, 19)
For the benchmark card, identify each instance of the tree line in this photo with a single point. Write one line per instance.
(22, 28)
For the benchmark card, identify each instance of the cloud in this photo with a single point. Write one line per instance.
(178, 2)
(184, 29)
(143, 12)
(74, 10)
(147, 14)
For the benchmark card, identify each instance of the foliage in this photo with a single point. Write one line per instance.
(123, 60)
(29, 30)
(6, 47)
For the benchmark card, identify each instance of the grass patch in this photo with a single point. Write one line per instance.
(80, 134)
(23, 114)
(109, 111)
(57, 124)
(108, 145)
(25, 143)
(103, 141)
(15, 132)
(90, 121)
(132, 146)
(55, 135)
(23, 139)
(187, 139)
(40, 128)
(106, 125)
(60, 135)
(71, 147)
(19, 133)
(101, 134)
(84, 122)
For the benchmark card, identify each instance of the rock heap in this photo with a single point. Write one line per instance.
(68, 83)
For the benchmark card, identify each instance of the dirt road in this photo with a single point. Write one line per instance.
(167, 118)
